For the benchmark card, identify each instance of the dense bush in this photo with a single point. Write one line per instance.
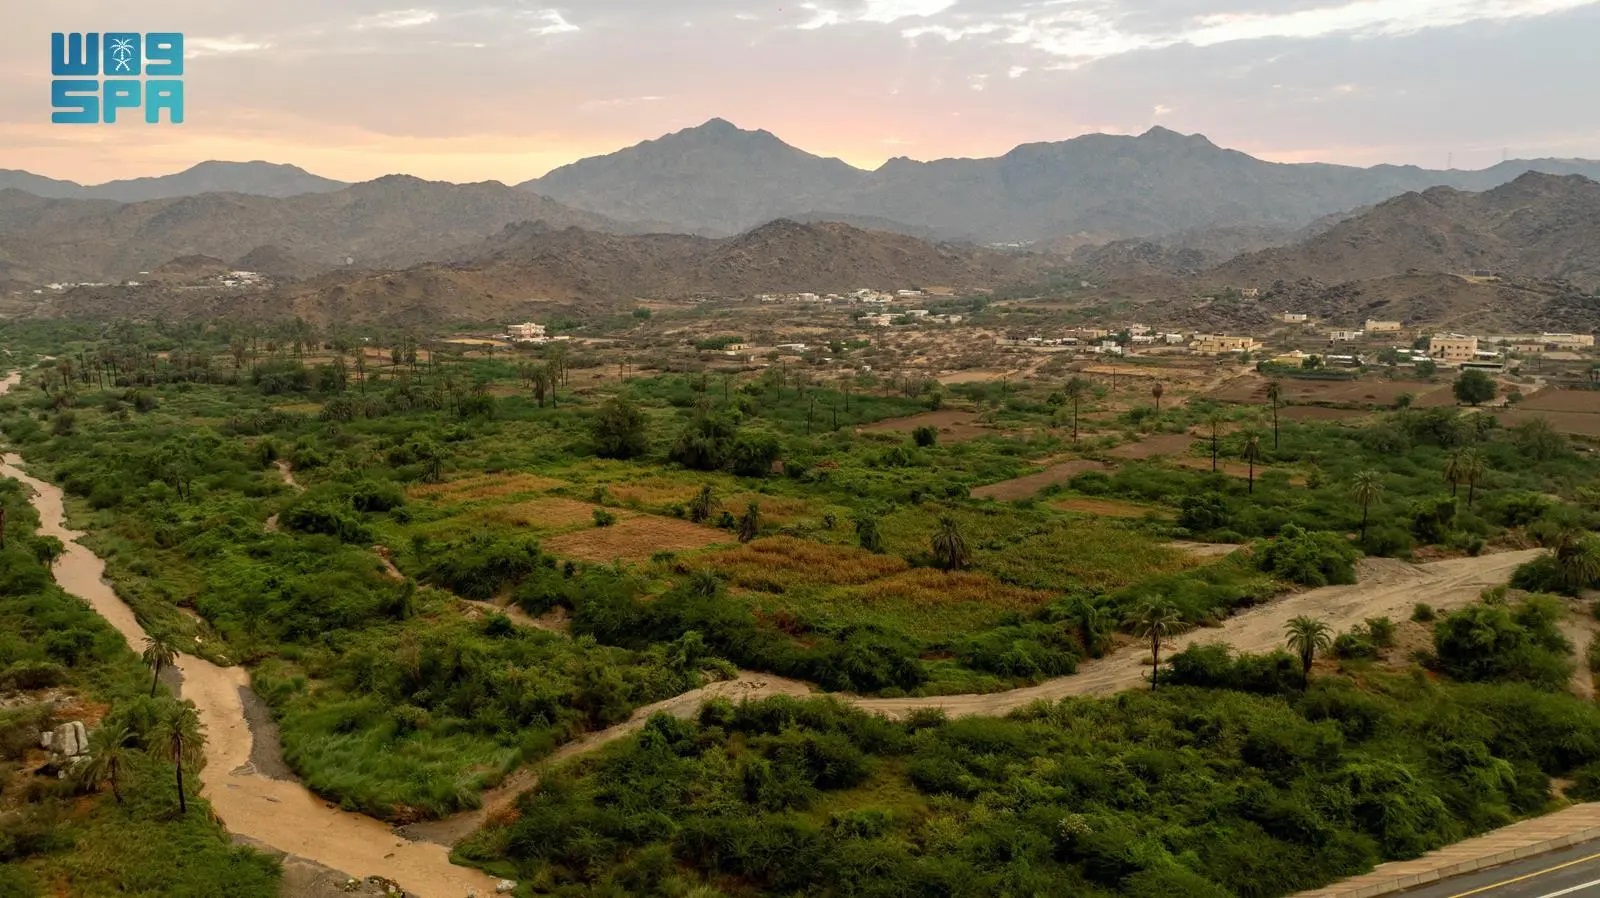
(1315, 558)
(1493, 641)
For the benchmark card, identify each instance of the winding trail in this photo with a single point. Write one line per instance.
(286, 816)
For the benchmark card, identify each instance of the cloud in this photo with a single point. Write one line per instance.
(550, 22)
(222, 46)
(398, 18)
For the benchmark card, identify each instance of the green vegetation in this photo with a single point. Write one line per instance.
(114, 824)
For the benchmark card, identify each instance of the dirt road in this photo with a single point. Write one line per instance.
(282, 814)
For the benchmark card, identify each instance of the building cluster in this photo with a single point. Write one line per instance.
(526, 333)
(863, 296)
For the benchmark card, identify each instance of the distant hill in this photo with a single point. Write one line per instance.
(1537, 226)
(251, 178)
(394, 221)
(527, 267)
(718, 179)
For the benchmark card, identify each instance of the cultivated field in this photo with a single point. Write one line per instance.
(633, 539)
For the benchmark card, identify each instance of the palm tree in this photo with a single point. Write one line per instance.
(704, 505)
(1306, 636)
(1275, 399)
(1215, 420)
(1156, 621)
(1077, 388)
(1252, 454)
(1368, 486)
(107, 756)
(1455, 468)
(1577, 558)
(950, 548)
(750, 522)
(867, 535)
(158, 653)
(1475, 467)
(178, 732)
(1157, 392)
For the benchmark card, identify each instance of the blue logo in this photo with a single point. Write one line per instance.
(79, 95)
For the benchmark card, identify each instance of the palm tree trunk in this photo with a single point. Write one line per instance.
(1252, 489)
(155, 680)
(1274, 425)
(1306, 660)
(116, 788)
(1364, 510)
(183, 805)
(1155, 660)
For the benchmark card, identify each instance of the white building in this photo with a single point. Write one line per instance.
(1294, 317)
(1344, 336)
(526, 333)
(916, 313)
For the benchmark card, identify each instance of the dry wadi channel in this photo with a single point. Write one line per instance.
(284, 815)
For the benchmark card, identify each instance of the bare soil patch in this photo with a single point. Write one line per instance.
(1319, 413)
(954, 425)
(1159, 444)
(1030, 484)
(634, 539)
(1366, 391)
(1563, 401)
(1581, 424)
(977, 376)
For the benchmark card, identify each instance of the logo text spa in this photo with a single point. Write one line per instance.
(97, 75)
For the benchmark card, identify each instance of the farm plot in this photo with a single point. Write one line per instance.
(1031, 484)
(1581, 424)
(954, 425)
(633, 539)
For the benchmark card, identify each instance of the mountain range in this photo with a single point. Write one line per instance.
(253, 178)
(525, 269)
(717, 180)
(392, 222)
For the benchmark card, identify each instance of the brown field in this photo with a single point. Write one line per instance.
(544, 513)
(930, 588)
(1367, 391)
(1319, 413)
(1155, 445)
(1031, 484)
(954, 426)
(486, 486)
(1582, 424)
(772, 564)
(1563, 401)
(633, 539)
(1111, 508)
(976, 376)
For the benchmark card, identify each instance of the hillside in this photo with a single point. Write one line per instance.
(1538, 226)
(252, 178)
(718, 179)
(391, 222)
(528, 268)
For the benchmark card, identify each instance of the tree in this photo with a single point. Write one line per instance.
(1577, 560)
(867, 535)
(1076, 389)
(950, 550)
(1156, 622)
(1157, 391)
(178, 733)
(1252, 454)
(1368, 486)
(1306, 636)
(1215, 421)
(1465, 466)
(107, 756)
(750, 522)
(1474, 387)
(158, 653)
(1275, 399)
(704, 504)
(618, 429)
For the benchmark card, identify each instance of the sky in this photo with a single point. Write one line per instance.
(472, 90)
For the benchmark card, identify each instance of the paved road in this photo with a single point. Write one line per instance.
(1570, 873)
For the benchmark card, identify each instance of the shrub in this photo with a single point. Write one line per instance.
(604, 518)
(1422, 613)
(1498, 642)
(1310, 558)
(925, 436)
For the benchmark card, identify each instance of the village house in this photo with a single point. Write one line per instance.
(526, 333)
(1455, 348)
(1219, 344)
(1343, 336)
(1382, 327)
(1294, 317)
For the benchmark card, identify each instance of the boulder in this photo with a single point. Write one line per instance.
(68, 740)
(505, 887)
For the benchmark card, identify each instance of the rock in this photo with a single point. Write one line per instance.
(68, 740)
(505, 887)
(45, 738)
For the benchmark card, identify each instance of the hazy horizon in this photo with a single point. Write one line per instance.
(495, 90)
